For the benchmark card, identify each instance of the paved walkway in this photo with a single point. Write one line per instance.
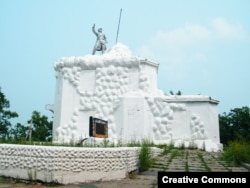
(174, 161)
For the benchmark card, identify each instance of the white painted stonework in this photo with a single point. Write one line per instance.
(122, 89)
(68, 165)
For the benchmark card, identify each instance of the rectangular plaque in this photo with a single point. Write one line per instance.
(98, 127)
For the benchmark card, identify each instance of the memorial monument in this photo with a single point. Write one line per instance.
(121, 89)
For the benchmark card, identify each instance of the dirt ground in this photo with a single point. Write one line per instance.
(137, 182)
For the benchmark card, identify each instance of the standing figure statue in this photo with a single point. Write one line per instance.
(101, 40)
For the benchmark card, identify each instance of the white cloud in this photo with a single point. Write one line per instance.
(178, 46)
(227, 30)
(182, 45)
(185, 53)
(182, 37)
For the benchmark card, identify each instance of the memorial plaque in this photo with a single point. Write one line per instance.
(98, 127)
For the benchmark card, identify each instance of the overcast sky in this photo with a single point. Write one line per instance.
(202, 46)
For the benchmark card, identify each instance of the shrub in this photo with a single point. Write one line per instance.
(237, 152)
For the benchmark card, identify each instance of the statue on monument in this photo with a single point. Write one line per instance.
(101, 40)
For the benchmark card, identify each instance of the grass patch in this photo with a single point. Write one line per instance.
(204, 164)
(236, 152)
(186, 162)
(145, 156)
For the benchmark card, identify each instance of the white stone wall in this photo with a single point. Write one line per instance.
(197, 122)
(122, 89)
(95, 85)
(68, 164)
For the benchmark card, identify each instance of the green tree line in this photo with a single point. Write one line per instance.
(235, 125)
(38, 127)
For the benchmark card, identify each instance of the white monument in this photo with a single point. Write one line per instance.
(121, 89)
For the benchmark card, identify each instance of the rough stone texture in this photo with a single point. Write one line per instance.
(68, 164)
(122, 89)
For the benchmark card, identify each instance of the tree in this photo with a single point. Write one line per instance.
(19, 132)
(41, 127)
(235, 125)
(5, 116)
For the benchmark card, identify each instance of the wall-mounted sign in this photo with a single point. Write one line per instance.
(98, 127)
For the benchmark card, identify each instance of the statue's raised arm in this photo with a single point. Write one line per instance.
(93, 29)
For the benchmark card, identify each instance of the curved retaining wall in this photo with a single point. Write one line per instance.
(68, 164)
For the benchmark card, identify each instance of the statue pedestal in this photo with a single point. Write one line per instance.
(122, 90)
